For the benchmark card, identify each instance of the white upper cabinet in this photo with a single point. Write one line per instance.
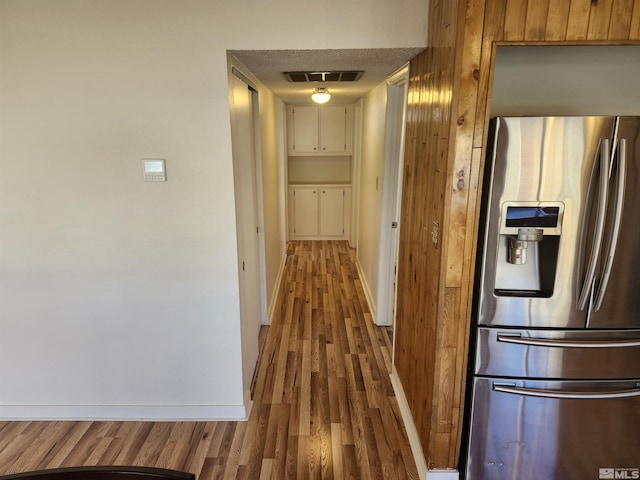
(324, 130)
(333, 130)
(304, 133)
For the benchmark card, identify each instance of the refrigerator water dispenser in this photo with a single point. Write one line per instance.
(528, 246)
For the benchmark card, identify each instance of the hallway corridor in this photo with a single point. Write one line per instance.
(325, 368)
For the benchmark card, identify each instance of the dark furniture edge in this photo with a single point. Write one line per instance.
(109, 472)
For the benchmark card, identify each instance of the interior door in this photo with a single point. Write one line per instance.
(244, 166)
(391, 196)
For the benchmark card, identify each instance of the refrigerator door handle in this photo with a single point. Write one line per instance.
(587, 284)
(613, 239)
(563, 394)
(551, 342)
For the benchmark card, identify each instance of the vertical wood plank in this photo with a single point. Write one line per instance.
(557, 20)
(515, 19)
(492, 32)
(449, 377)
(634, 30)
(536, 26)
(599, 20)
(621, 17)
(465, 299)
(446, 376)
(465, 115)
(578, 21)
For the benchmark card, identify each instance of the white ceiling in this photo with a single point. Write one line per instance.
(378, 64)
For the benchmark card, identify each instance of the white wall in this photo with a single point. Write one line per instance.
(118, 298)
(566, 80)
(371, 188)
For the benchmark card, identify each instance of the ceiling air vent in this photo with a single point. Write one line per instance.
(344, 76)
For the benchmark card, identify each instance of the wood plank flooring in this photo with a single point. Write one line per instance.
(324, 407)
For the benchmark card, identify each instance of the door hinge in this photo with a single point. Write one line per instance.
(243, 265)
(258, 229)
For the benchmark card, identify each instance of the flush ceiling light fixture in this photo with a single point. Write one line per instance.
(320, 95)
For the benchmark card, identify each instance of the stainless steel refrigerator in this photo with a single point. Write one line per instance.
(555, 389)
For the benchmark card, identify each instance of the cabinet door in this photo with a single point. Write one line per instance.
(305, 212)
(305, 129)
(332, 211)
(333, 123)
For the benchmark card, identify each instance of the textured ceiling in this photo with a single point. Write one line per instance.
(378, 64)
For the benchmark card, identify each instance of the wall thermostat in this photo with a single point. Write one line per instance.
(153, 170)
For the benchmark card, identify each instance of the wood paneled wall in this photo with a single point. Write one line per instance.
(425, 346)
(449, 91)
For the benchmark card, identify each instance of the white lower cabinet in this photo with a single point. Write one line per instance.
(319, 211)
(331, 211)
(305, 212)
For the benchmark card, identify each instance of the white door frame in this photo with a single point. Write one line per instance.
(397, 90)
(248, 195)
(356, 160)
(264, 317)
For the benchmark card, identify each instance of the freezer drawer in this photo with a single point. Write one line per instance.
(552, 354)
(577, 430)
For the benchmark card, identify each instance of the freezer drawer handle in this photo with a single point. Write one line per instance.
(550, 342)
(535, 392)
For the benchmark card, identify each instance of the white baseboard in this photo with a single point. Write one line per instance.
(443, 475)
(367, 291)
(124, 413)
(414, 438)
(276, 288)
(409, 425)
